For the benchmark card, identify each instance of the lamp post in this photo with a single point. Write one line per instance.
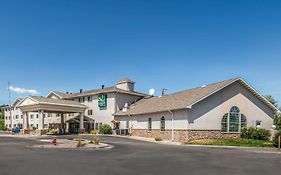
(279, 136)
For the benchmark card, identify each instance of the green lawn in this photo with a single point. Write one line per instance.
(233, 142)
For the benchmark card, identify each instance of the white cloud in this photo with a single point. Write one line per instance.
(23, 90)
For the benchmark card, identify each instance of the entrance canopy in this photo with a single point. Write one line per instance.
(50, 105)
(77, 119)
(44, 105)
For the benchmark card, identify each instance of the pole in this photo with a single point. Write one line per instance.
(10, 106)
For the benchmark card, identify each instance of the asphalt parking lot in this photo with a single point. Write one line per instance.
(132, 157)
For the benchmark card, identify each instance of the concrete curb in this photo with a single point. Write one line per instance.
(252, 149)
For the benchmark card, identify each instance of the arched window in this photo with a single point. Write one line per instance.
(162, 124)
(234, 115)
(233, 121)
(224, 123)
(234, 109)
(149, 124)
(243, 121)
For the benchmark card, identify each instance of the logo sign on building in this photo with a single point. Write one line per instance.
(102, 101)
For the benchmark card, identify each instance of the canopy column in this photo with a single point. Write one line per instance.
(62, 124)
(25, 120)
(81, 123)
(41, 120)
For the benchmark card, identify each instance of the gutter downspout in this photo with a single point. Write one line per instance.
(172, 124)
(130, 127)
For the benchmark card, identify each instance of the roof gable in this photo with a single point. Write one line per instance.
(185, 99)
(27, 101)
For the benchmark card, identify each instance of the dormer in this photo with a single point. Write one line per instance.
(125, 84)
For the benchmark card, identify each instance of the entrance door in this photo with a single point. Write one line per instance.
(74, 128)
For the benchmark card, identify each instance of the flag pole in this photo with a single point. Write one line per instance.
(10, 106)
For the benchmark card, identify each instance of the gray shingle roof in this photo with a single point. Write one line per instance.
(179, 100)
(62, 94)
(57, 101)
(98, 91)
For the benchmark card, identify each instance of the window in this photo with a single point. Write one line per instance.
(21, 116)
(31, 116)
(149, 124)
(90, 99)
(127, 124)
(258, 123)
(233, 121)
(81, 99)
(162, 124)
(90, 112)
(243, 121)
(37, 115)
(17, 116)
(224, 123)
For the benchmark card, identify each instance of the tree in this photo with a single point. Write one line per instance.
(271, 100)
(277, 121)
(2, 125)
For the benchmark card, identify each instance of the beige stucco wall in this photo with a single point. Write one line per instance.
(115, 101)
(207, 114)
(121, 99)
(141, 121)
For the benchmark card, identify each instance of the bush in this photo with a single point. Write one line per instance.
(80, 143)
(255, 133)
(93, 132)
(105, 129)
(158, 138)
(275, 139)
(2, 126)
(52, 131)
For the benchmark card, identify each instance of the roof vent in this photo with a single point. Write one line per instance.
(102, 86)
(67, 92)
(81, 90)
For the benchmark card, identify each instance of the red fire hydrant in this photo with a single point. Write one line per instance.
(54, 141)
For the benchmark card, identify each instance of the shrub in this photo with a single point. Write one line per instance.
(94, 132)
(255, 133)
(275, 139)
(80, 143)
(105, 129)
(158, 138)
(52, 131)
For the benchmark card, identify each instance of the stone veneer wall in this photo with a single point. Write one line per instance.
(184, 135)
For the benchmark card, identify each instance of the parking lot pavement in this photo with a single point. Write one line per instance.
(131, 157)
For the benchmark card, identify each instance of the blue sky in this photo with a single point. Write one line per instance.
(68, 45)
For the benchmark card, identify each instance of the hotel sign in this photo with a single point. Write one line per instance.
(102, 101)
